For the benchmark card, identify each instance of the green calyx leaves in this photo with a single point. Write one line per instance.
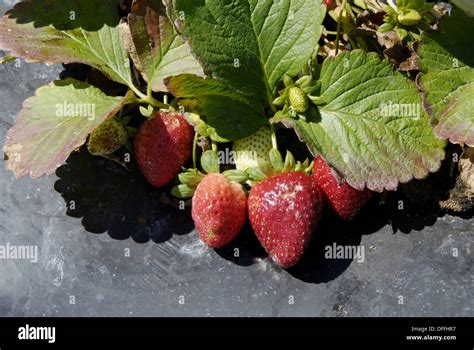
(408, 17)
(295, 98)
(190, 178)
(147, 112)
(278, 166)
(183, 191)
(202, 128)
(210, 162)
(236, 175)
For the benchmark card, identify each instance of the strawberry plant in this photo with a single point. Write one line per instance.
(374, 90)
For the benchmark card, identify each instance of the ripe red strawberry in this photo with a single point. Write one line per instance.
(329, 4)
(163, 145)
(219, 210)
(284, 210)
(345, 200)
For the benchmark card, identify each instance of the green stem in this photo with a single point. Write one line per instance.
(274, 139)
(214, 146)
(307, 69)
(343, 7)
(152, 102)
(149, 91)
(137, 92)
(272, 106)
(146, 99)
(357, 11)
(196, 136)
(362, 44)
(353, 43)
(338, 34)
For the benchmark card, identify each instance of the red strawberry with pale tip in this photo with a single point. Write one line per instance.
(344, 200)
(163, 146)
(219, 210)
(284, 210)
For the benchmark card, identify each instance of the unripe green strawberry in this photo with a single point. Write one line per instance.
(107, 138)
(298, 99)
(250, 151)
(409, 18)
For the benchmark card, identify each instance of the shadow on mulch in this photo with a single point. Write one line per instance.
(111, 199)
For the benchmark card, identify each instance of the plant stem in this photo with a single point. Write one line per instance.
(148, 98)
(152, 102)
(137, 92)
(307, 69)
(196, 136)
(343, 7)
(214, 146)
(353, 43)
(149, 91)
(274, 139)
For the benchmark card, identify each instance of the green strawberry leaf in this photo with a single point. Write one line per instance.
(447, 78)
(465, 5)
(65, 31)
(55, 122)
(234, 116)
(369, 124)
(250, 44)
(156, 50)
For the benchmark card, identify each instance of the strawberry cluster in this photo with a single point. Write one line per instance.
(283, 199)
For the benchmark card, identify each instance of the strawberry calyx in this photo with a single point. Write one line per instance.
(278, 166)
(294, 100)
(190, 178)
